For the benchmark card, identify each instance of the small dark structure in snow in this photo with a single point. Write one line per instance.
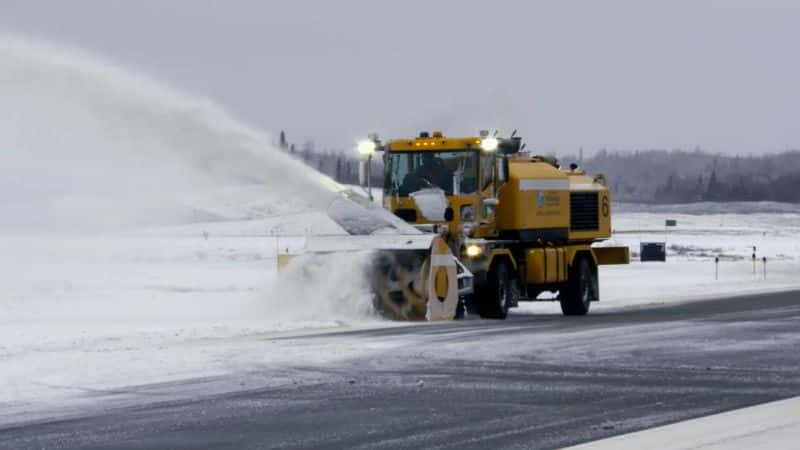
(653, 251)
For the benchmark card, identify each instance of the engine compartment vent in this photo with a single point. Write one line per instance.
(583, 211)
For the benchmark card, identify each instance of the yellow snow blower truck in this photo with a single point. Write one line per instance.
(520, 224)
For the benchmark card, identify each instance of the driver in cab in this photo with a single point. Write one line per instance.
(430, 173)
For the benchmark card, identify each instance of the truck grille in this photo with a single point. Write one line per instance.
(583, 211)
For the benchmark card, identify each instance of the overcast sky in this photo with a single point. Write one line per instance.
(721, 75)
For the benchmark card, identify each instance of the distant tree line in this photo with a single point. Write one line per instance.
(645, 176)
(336, 163)
(679, 176)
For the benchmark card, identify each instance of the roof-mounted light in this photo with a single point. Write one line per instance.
(489, 144)
(366, 147)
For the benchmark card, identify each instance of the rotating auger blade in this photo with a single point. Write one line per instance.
(416, 284)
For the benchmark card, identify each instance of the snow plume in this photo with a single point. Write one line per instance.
(85, 145)
(324, 287)
(88, 150)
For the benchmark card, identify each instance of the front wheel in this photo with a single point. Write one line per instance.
(461, 309)
(497, 298)
(581, 289)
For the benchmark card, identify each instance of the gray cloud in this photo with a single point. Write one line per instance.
(620, 74)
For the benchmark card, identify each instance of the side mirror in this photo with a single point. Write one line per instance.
(511, 145)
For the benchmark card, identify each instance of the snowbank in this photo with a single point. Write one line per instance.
(773, 425)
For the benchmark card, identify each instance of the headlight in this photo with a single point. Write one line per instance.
(473, 250)
(467, 212)
(366, 147)
(489, 144)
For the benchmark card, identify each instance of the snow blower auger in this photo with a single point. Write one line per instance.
(417, 284)
(412, 275)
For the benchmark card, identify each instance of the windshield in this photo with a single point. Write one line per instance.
(411, 171)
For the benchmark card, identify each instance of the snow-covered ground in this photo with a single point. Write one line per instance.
(773, 426)
(693, 245)
(97, 311)
(690, 272)
(86, 313)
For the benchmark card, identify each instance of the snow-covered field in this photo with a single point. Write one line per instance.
(692, 247)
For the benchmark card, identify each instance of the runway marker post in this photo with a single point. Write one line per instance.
(764, 259)
(716, 268)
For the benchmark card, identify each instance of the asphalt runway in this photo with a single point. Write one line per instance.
(528, 382)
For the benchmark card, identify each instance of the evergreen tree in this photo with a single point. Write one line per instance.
(282, 143)
(307, 154)
(714, 191)
(339, 175)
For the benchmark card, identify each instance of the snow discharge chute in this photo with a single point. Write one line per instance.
(413, 275)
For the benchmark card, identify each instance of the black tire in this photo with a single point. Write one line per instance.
(496, 299)
(470, 302)
(581, 289)
(461, 310)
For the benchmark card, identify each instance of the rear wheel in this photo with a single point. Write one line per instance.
(496, 298)
(581, 289)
